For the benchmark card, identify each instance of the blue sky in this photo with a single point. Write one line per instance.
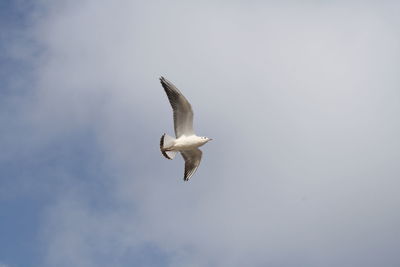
(302, 101)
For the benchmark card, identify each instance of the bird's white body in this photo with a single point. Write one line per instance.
(188, 143)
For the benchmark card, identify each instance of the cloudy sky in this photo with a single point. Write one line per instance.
(302, 101)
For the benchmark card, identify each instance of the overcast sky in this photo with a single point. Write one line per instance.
(302, 101)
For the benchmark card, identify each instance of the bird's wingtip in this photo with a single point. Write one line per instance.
(163, 80)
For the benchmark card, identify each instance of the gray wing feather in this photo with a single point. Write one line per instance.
(192, 161)
(183, 114)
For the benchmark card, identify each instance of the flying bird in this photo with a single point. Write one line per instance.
(186, 141)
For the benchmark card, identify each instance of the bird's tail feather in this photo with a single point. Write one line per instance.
(165, 142)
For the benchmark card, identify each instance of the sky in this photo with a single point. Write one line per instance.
(302, 100)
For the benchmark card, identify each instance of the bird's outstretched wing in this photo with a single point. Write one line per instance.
(183, 114)
(192, 161)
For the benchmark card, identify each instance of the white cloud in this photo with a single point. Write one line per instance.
(302, 102)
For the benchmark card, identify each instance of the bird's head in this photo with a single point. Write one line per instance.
(205, 139)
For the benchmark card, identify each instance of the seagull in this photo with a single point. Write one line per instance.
(186, 141)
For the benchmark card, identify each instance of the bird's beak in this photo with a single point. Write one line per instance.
(210, 139)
